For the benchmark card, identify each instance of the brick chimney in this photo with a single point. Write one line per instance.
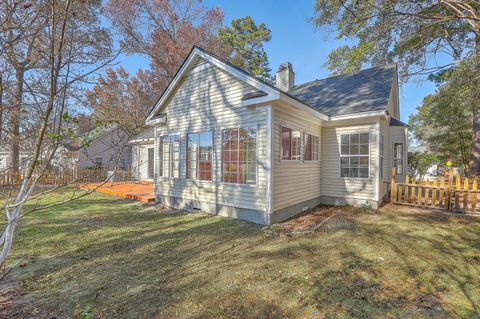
(285, 77)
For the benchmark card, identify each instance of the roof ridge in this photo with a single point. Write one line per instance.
(389, 65)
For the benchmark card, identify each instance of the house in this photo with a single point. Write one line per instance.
(143, 155)
(230, 144)
(24, 156)
(105, 145)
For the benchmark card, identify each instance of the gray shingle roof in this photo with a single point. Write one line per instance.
(98, 132)
(395, 122)
(145, 135)
(365, 90)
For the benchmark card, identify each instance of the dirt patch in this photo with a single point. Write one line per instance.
(322, 217)
(15, 304)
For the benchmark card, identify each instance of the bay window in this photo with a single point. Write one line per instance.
(291, 141)
(354, 155)
(199, 156)
(170, 155)
(239, 155)
(310, 152)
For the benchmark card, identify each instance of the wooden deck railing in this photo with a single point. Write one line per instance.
(454, 194)
(75, 175)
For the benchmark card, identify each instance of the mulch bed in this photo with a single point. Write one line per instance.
(316, 219)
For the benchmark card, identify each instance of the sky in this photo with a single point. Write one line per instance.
(295, 39)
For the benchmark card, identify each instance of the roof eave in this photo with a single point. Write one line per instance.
(356, 115)
(297, 103)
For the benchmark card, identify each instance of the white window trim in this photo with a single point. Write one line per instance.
(253, 185)
(187, 161)
(318, 147)
(170, 161)
(340, 153)
(281, 144)
(395, 158)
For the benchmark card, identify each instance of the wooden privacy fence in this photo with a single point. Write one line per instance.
(75, 175)
(10, 178)
(454, 194)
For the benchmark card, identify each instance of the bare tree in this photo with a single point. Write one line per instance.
(73, 47)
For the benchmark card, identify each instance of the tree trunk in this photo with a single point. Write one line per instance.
(1, 111)
(14, 123)
(474, 167)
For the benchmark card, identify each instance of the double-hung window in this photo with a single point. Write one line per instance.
(381, 155)
(199, 156)
(170, 155)
(398, 157)
(354, 155)
(291, 144)
(239, 155)
(310, 150)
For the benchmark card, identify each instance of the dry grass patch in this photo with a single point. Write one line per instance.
(111, 258)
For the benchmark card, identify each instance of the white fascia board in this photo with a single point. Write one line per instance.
(161, 120)
(357, 115)
(260, 100)
(146, 141)
(287, 99)
(216, 62)
(170, 89)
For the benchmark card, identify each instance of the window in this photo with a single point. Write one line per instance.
(98, 161)
(199, 156)
(239, 154)
(150, 162)
(354, 155)
(381, 155)
(398, 157)
(310, 152)
(291, 142)
(170, 155)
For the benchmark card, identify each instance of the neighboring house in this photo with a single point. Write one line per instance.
(417, 149)
(233, 145)
(24, 156)
(104, 146)
(143, 155)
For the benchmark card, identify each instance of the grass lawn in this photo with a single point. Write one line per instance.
(107, 257)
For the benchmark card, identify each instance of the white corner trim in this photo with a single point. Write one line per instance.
(269, 193)
(357, 115)
(377, 161)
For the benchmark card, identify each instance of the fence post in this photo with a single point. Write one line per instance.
(474, 195)
(394, 185)
(407, 187)
(427, 193)
(458, 187)
(419, 193)
(434, 192)
(465, 195)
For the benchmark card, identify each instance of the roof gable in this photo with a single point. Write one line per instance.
(195, 59)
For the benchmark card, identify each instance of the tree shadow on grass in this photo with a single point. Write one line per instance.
(138, 261)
